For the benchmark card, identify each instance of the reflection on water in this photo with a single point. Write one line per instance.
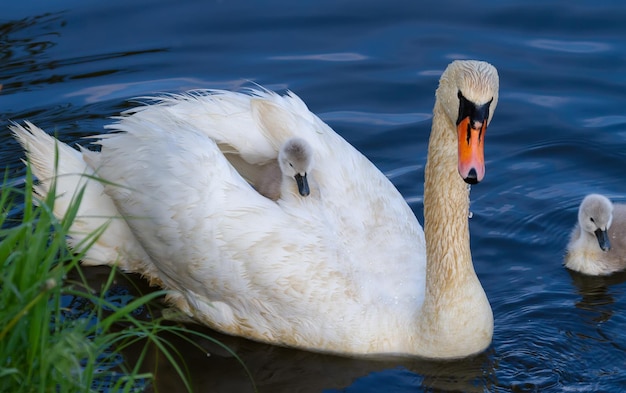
(23, 44)
(276, 369)
(531, 355)
(596, 294)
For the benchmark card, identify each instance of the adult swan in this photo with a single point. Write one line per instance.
(345, 270)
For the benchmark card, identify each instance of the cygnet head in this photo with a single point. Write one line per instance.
(295, 159)
(595, 216)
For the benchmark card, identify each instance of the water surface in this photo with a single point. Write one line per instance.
(370, 70)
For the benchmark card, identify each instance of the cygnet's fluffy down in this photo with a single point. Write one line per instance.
(598, 243)
(295, 160)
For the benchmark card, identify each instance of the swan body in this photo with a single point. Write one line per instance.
(342, 271)
(597, 244)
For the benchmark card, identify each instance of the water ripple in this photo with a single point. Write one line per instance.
(548, 101)
(570, 46)
(98, 93)
(604, 121)
(344, 56)
(392, 119)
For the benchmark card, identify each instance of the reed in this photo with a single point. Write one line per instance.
(45, 344)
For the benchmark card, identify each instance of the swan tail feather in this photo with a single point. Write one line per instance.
(98, 230)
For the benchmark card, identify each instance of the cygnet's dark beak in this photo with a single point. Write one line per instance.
(303, 184)
(603, 239)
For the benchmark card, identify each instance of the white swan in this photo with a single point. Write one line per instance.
(598, 242)
(343, 272)
(294, 162)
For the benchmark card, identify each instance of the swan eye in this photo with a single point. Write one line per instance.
(591, 219)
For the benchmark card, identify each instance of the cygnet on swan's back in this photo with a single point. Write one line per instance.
(598, 243)
(295, 161)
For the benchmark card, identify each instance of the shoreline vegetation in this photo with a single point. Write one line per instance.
(47, 342)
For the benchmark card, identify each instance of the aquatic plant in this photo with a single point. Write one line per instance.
(47, 344)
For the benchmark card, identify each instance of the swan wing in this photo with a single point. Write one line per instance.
(252, 126)
(233, 254)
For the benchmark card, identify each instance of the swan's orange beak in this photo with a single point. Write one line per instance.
(471, 149)
(471, 126)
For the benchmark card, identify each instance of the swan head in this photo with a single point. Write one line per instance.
(468, 92)
(295, 159)
(595, 216)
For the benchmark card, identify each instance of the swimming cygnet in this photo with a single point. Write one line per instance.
(295, 160)
(598, 243)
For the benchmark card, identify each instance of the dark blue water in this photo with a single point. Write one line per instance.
(370, 70)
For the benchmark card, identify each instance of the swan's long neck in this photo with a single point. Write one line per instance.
(446, 209)
(456, 316)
